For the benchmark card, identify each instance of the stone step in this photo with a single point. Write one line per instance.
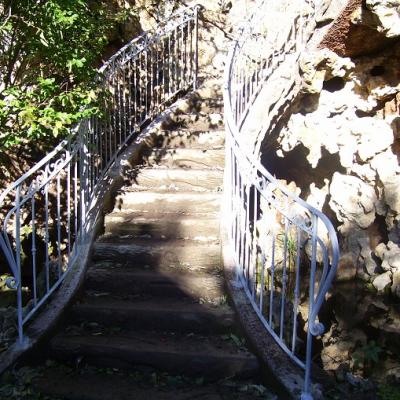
(188, 158)
(193, 114)
(195, 121)
(175, 202)
(185, 138)
(207, 356)
(212, 106)
(211, 88)
(161, 254)
(90, 383)
(197, 104)
(153, 302)
(159, 225)
(153, 314)
(179, 179)
(131, 284)
(70, 384)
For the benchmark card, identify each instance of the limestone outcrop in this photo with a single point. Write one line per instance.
(364, 27)
(343, 129)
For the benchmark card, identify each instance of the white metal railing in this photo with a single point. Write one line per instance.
(46, 210)
(285, 250)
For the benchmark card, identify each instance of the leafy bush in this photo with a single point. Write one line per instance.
(48, 51)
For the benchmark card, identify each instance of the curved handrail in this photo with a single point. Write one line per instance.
(317, 329)
(138, 43)
(255, 164)
(49, 204)
(243, 234)
(32, 171)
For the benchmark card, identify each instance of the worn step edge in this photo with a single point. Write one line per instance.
(121, 352)
(168, 253)
(188, 158)
(185, 179)
(189, 121)
(196, 132)
(194, 139)
(115, 385)
(182, 202)
(125, 282)
(163, 225)
(190, 117)
(166, 315)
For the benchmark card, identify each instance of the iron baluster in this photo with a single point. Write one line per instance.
(61, 187)
(296, 291)
(259, 51)
(34, 250)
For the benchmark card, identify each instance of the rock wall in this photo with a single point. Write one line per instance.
(364, 27)
(343, 133)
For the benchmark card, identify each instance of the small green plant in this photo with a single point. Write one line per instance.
(287, 241)
(291, 247)
(388, 392)
(17, 384)
(238, 341)
(367, 356)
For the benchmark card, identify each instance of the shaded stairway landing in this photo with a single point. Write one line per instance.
(153, 320)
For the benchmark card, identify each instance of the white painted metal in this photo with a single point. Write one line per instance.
(46, 209)
(286, 251)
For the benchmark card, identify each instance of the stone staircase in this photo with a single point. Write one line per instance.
(153, 319)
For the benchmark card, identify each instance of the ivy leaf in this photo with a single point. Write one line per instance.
(76, 62)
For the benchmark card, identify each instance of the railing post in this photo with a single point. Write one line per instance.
(18, 264)
(83, 184)
(196, 47)
(306, 395)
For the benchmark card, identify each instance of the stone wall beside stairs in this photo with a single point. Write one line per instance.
(337, 145)
(342, 130)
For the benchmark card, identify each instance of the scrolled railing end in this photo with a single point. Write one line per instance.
(11, 282)
(317, 329)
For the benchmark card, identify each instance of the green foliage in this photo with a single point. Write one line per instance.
(238, 341)
(291, 246)
(48, 51)
(16, 384)
(367, 355)
(388, 392)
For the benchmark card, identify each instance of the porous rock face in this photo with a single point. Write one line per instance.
(364, 27)
(343, 131)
